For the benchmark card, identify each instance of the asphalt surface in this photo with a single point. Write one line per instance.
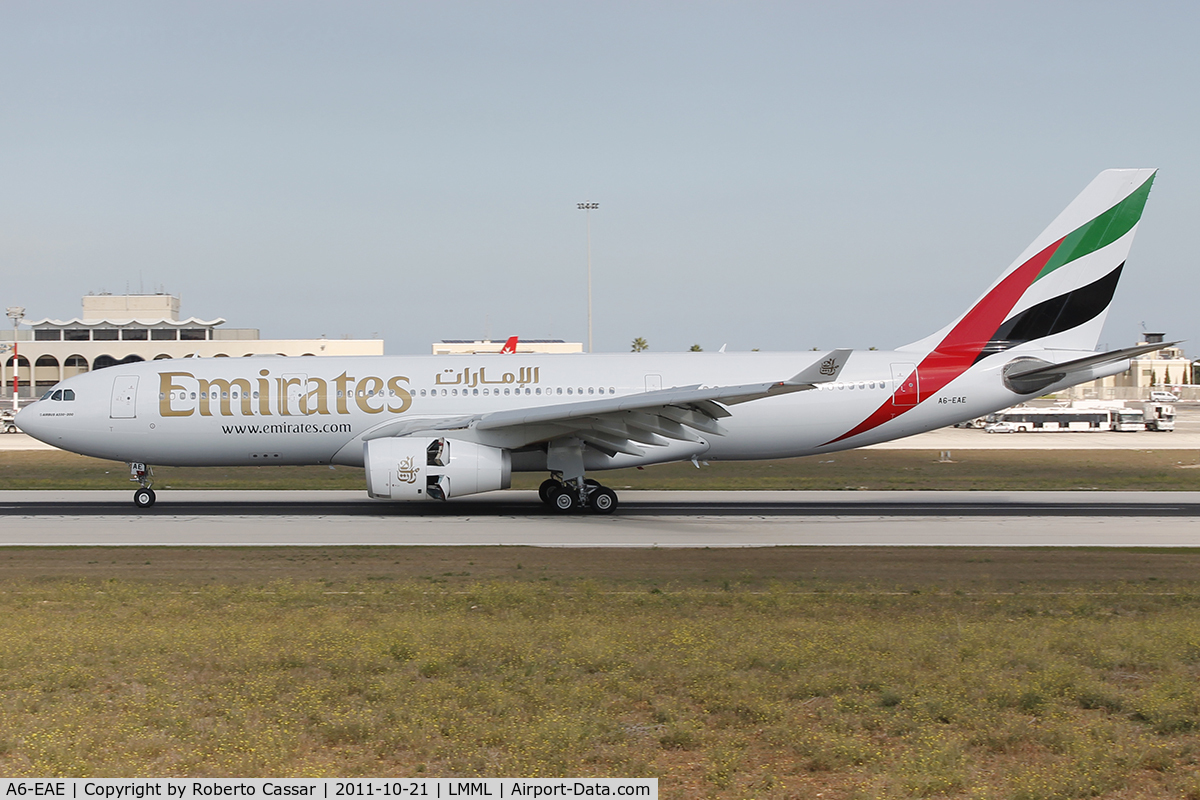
(679, 505)
(644, 519)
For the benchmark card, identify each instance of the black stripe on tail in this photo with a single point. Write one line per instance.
(1055, 315)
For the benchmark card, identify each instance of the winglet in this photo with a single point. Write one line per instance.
(510, 346)
(824, 370)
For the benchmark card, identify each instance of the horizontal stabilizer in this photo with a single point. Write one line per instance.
(1028, 376)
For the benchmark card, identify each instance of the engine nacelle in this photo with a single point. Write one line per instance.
(437, 469)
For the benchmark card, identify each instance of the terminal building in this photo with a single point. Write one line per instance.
(120, 328)
(476, 346)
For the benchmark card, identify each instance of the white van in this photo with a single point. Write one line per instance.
(1163, 397)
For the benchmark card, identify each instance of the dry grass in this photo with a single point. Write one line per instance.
(744, 673)
(856, 469)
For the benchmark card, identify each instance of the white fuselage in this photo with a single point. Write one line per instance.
(316, 410)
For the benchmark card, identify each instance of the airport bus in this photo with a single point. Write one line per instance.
(1056, 420)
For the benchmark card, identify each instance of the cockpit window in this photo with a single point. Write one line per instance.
(57, 395)
(68, 394)
(46, 396)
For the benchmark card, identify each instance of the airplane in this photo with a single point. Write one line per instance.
(440, 427)
(510, 345)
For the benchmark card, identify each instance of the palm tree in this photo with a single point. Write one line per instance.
(639, 344)
(696, 349)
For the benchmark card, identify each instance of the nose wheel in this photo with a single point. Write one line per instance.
(144, 498)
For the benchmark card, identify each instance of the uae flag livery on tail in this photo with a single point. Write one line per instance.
(1056, 294)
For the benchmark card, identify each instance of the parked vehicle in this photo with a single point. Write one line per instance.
(1022, 419)
(1158, 396)
(7, 425)
(1130, 420)
(1159, 416)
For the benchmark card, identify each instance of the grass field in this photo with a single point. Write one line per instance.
(780, 673)
(1163, 470)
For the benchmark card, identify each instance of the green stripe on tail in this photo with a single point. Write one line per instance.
(1103, 230)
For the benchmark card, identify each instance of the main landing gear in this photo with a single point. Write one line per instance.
(573, 496)
(144, 497)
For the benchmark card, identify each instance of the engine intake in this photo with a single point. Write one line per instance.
(435, 469)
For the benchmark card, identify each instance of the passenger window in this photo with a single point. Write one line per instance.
(507, 392)
(558, 390)
(485, 392)
(569, 390)
(475, 392)
(68, 394)
(591, 390)
(422, 393)
(539, 390)
(611, 390)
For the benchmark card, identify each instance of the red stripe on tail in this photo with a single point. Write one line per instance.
(955, 354)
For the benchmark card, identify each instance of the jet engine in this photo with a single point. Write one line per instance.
(435, 469)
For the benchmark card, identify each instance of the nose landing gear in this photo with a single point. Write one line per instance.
(144, 497)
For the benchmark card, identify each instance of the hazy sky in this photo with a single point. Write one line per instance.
(771, 175)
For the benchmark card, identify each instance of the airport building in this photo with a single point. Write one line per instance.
(120, 328)
(475, 346)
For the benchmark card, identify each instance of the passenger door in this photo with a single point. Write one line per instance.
(124, 397)
(907, 383)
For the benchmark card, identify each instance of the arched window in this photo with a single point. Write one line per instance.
(103, 362)
(75, 365)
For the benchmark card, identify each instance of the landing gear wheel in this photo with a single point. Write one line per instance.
(591, 482)
(144, 498)
(602, 501)
(564, 500)
(547, 487)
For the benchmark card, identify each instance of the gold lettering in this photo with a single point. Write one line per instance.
(401, 393)
(342, 382)
(167, 385)
(316, 395)
(284, 401)
(367, 388)
(264, 393)
(225, 387)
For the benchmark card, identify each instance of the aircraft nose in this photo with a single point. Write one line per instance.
(27, 421)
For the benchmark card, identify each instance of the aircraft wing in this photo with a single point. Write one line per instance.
(620, 424)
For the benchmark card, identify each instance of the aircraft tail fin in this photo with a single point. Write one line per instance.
(510, 345)
(1058, 291)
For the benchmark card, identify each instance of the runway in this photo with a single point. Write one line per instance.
(644, 519)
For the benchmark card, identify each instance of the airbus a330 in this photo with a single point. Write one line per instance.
(439, 427)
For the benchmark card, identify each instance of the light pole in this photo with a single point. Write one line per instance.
(16, 314)
(589, 208)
